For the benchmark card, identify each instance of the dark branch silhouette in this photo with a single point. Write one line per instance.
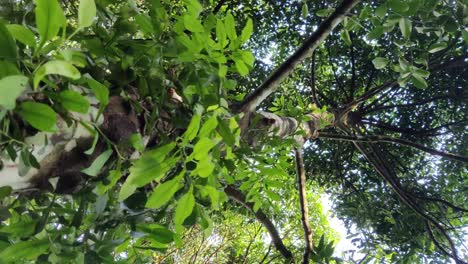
(301, 182)
(239, 197)
(387, 139)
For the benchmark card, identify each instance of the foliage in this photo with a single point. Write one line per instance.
(139, 98)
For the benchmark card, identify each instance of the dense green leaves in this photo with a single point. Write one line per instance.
(22, 250)
(145, 97)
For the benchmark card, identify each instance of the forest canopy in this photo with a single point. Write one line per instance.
(216, 131)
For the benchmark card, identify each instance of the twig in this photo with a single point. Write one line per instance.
(238, 196)
(301, 180)
(380, 138)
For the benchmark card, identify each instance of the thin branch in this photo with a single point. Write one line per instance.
(238, 196)
(270, 85)
(380, 138)
(447, 203)
(440, 247)
(377, 160)
(301, 180)
(339, 83)
(266, 254)
(422, 102)
(410, 131)
(353, 69)
(218, 6)
(312, 83)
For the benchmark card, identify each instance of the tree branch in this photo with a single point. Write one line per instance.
(238, 196)
(312, 83)
(380, 138)
(270, 85)
(301, 181)
(218, 6)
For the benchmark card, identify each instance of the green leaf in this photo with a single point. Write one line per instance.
(192, 128)
(247, 31)
(222, 71)
(324, 12)
(208, 126)
(39, 116)
(304, 10)
(137, 142)
(100, 91)
(201, 149)
(437, 47)
(157, 232)
(59, 67)
(381, 11)
(7, 68)
(98, 163)
(184, 207)
(221, 33)
(398, 6)
(11, 87)
(144, 23)
(380, 63)
(225, 132)
(247, 57)
(192, 24)
(419, 82)
(405, 27)
(230, 27)
(465, 35)
(346, 37)
(151, 166)
(204, 167)
(420, 72)
(376, 33)
(74, 101)
(241, 67)
(7, 44)
(86, 13)
(22, 250)
(5, 191)
(164, 192)
(193, 7)
(49, 18)
(213, 194)
(22, 34)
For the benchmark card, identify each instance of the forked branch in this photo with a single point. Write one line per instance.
(270, 85)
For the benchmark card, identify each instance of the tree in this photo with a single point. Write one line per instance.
(131, 130)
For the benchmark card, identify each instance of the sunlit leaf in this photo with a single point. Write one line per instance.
(86, 13)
